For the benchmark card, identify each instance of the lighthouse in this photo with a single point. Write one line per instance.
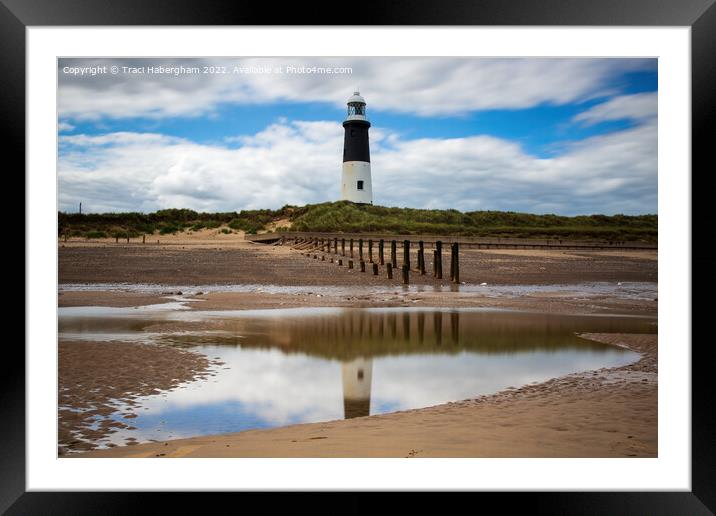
(355, 181)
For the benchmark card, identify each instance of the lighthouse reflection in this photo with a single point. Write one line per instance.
(357, 374)
(357, 377)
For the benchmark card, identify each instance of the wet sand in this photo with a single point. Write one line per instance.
(578, 300)
(244, 262)
(604, 413)
(95, 376)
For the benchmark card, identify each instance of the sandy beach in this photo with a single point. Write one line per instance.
(603, 413)
(227, 260)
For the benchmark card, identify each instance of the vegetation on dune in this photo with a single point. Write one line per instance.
(164, 222)
(347, 217)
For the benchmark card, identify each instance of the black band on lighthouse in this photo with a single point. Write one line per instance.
(355, 144)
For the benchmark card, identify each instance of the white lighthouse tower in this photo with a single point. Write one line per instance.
(356, 184)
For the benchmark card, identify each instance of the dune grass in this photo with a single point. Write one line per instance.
(345, 216)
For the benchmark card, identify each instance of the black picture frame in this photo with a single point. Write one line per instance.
(700, 15)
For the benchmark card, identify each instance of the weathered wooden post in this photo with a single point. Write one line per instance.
(350, 264)
(389, 269)
(370, 250)
(406, 274)
(362, 265)
(439, 259)
(144, 238)
(393, 254)
(340, 262)
(375, 269)
(335, 245)
(421, 257)
(406, 253)
(360, 248)
(323, 257)
(380, 252)
(452, 262)
(456, 275)
(116, 239)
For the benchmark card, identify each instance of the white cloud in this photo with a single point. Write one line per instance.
(423, 86)
(300, 162)
(118, 138)
(64, 126)
(639, 107)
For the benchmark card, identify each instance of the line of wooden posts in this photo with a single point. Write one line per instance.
(330, 246)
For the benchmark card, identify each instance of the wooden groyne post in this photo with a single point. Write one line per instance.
(406, 253)
(393, 254)
(406, 274)
(343, 246)
(380, 252)
(370, 250)
(421, 257)
(360, 248)
(454, 263)
(375, 269)
(335, 245)
(438, 260)
(389, 270)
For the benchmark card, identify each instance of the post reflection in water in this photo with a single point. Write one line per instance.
(421, 327)
(438, 327)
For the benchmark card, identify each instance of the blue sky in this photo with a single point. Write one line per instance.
(567, 136)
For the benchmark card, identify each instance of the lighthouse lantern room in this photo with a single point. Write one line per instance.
(356, 185)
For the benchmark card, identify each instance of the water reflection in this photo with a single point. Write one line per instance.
(295, 366)
(352, 333)
(357, 376)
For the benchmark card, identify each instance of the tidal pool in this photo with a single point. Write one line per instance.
(289, 366)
